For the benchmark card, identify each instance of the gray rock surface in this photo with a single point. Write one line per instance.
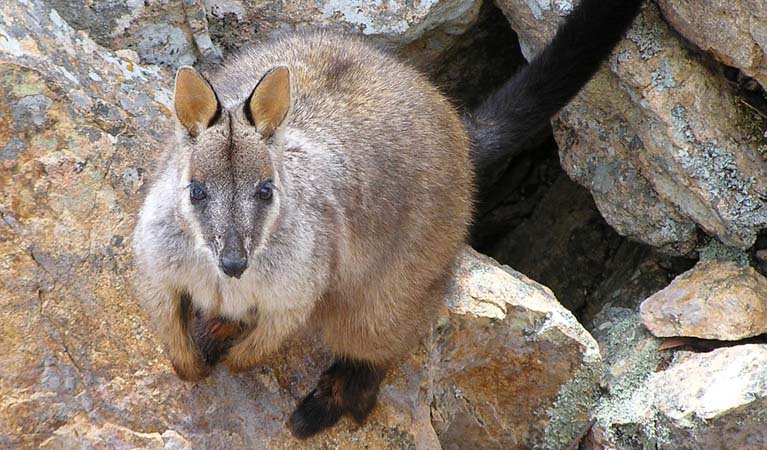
(657, 137)
(178, 32)
(665, 395)
(712, 400)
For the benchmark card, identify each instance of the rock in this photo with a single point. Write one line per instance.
(657, 137)
(714, 300)
(529, 383)
(175, 33)
(630, 409)
(701, 401)
(506, 366)
(714, 400)
(653, 398)
(734, 32)
(82, 434)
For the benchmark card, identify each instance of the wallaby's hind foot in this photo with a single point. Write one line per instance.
(347, 387)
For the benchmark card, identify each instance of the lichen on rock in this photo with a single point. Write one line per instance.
(671, 161)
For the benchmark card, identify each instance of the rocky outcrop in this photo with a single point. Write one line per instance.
(668, 394)
(526, 381)
(701, 401)
(740, 39)
(715, 300)
(505, 366)
(179, 32)
(657, 138)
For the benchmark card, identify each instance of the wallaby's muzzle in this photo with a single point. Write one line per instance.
(234, 260)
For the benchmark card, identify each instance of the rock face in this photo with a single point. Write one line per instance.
(741, 37)
(657, 137)
(178, 32)
(505, 366)
(653, 398)
(702, 401)
(714, 300)
(529, 354)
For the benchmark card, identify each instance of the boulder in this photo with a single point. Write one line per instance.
(740, 39)
(182, 32)
(526, 380)
(714, 300)
(504, 365)
(701, 401)
(656, 398)
(657, 137)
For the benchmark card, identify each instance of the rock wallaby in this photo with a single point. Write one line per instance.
(318, 180)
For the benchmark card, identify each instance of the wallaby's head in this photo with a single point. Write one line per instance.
(230, 187)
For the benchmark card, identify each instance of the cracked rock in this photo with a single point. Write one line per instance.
(657, 137)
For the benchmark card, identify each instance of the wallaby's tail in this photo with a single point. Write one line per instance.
(522, 107)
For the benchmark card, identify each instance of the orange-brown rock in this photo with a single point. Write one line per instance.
(714, 300)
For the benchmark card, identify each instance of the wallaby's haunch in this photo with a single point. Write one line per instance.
(317, 179)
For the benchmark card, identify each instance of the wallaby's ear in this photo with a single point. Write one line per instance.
(195, 102)
(268, 104)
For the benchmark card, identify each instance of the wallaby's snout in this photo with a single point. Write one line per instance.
(233, 260)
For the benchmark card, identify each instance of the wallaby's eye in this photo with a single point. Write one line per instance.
(265, 191)
(197, 193)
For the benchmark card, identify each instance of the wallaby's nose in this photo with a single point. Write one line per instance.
(234, 261)
(234, 266)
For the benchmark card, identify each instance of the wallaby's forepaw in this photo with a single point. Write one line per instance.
(214, 337)
(240, 358)
(347, 387)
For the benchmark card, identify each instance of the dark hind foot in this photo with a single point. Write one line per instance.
(347, 387)
(214, 337)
